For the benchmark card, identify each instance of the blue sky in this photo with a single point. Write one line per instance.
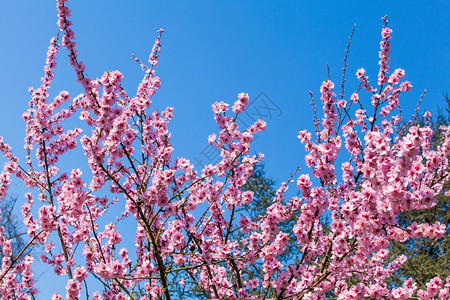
(213, 50)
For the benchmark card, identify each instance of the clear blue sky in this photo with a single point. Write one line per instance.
(213, 50)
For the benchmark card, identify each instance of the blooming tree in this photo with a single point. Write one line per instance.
(185, 218)
(13, 228)
(426, 257)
